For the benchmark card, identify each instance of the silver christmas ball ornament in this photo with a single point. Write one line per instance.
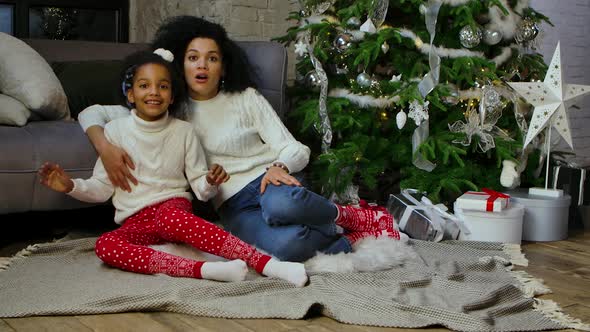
(526, 31)
(470, 37)
(353, 22)
(492, 37)
(343, 42)
(363, 79)
(312, 80)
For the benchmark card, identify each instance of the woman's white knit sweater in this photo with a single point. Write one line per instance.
(167, 157)
(239, 131)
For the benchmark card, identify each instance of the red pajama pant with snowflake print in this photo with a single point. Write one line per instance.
(171, 221)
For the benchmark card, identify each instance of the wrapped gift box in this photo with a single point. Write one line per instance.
(504, 226)
(420, 219)
(488, 200)
(573, 181)
(545, 218)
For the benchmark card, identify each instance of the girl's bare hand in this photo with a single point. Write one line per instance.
(54, 177)
(217, 175)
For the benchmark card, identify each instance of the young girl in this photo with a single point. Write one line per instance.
(264, 202)
(168, 158)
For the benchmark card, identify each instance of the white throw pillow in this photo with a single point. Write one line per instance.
(28, 78)
(13, 112)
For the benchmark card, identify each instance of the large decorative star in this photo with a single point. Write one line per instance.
(551, 98)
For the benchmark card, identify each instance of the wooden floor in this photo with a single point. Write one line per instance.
(564, 266)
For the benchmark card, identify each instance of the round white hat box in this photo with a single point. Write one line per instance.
(502, 226)
(545, 218)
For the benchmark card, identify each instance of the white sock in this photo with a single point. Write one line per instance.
(289, 271)
(225, 271)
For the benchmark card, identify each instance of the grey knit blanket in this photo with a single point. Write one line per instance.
(465, 286)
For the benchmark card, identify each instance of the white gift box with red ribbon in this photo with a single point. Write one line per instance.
(486, 200)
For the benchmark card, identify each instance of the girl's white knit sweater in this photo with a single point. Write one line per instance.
(167, 157)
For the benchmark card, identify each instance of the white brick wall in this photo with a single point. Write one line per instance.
(243, 19)
(570, 18)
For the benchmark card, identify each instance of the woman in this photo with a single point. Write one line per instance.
(264, 202)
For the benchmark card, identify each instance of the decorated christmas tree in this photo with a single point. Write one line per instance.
(414, 94)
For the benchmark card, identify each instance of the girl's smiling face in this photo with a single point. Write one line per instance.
(203, 68)
(151, 92)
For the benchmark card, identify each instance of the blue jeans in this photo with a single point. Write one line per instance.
(288, 222)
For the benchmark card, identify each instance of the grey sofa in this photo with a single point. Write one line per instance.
(24, 149)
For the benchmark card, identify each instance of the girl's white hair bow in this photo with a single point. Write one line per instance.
(165, 54)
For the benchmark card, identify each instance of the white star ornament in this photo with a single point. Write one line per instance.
(550, 98)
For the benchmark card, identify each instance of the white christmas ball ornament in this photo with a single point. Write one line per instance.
(492, 37)
(364, 79)
(400, 119)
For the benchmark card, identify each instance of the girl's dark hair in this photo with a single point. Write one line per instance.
(138, 59)
(177, 32)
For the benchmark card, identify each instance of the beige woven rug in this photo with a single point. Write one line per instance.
(465, 286)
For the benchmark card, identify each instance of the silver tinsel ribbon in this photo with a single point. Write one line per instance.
(427, 84)
(430, 80)
(350, 194)
(325, 126)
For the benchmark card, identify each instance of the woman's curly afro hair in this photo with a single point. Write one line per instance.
(177, 32)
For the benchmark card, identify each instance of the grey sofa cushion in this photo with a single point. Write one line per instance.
(24, 149)
(12, 111)
(28, 78)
